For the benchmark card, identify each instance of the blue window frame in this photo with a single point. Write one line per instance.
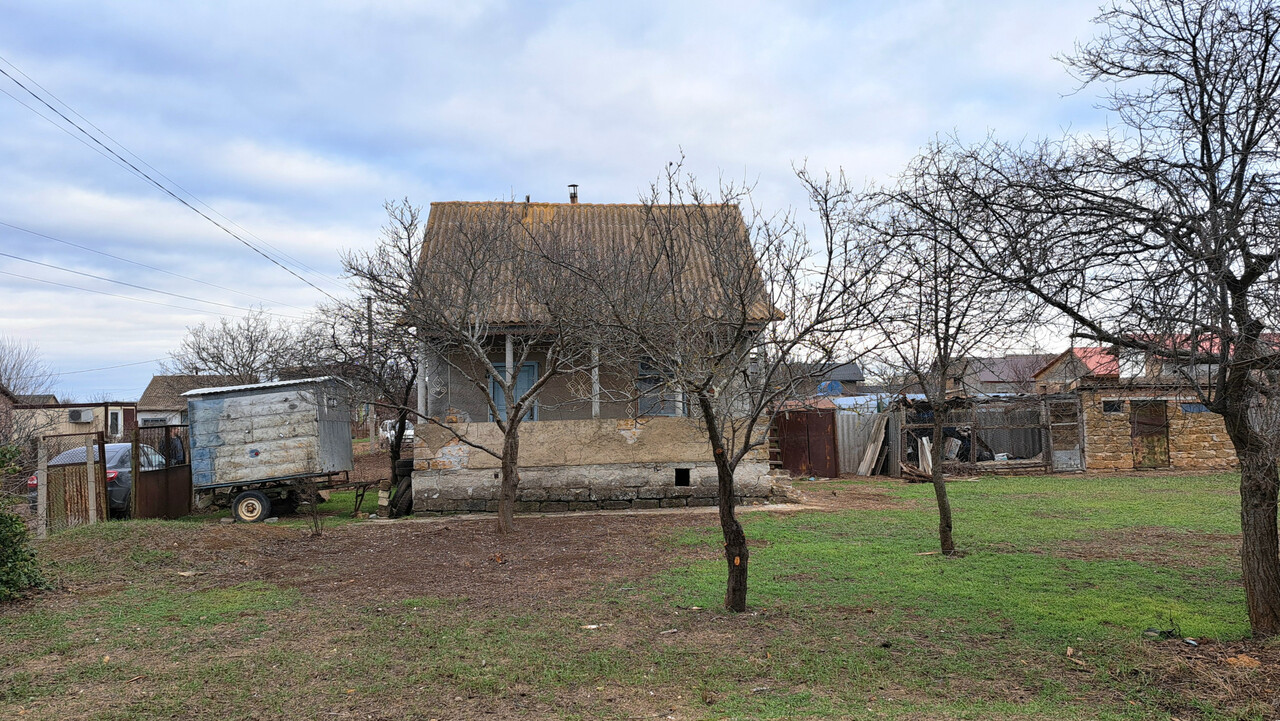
(1194, 408)
(528, 374)
(656, 399)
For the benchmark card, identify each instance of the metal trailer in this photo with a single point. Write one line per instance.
(270, 443)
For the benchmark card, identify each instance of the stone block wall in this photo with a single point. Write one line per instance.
(581, 465)
(1197, 441)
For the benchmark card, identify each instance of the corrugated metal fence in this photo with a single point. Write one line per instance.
(858, 439)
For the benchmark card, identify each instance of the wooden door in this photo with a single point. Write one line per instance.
(823, 459)
(1149, 423)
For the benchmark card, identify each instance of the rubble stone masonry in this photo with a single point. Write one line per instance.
(1197, 441)
(581, 465)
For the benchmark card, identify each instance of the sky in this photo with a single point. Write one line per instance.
(292, 123)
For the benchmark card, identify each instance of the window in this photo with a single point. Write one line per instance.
(656, 398)
(682, 476)
(1194, 408)
(113, 423)
(528, 374)
(1113, 406)
(148, 422)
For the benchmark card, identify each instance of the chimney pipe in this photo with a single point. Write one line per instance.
(573, 192)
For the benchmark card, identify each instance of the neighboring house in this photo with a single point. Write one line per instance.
(114, 419)
(1137, 416)
(631, 448)
(162, 403)
(1014, 373)
(1092, 364)
(832, 379)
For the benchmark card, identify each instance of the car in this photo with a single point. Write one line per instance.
(119, 472)
(388, 431)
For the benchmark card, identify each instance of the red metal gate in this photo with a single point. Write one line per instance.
(807, 440)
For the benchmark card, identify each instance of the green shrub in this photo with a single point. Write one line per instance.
(18, 568)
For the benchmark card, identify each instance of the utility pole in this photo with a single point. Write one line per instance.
(368, 361)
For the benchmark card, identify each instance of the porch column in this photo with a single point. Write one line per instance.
(511, 361)
(595, 381)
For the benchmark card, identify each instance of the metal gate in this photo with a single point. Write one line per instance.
(1066, 434)
(71, 485)
(161, 470)
(1149, 428)
(808, 442)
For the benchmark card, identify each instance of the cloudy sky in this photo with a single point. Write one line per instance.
(295, 121)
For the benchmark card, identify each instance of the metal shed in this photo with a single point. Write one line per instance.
(264, 431)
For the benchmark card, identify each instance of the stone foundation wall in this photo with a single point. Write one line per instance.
(592, 487)
(1197, 441)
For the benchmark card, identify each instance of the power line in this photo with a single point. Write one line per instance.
(139, 158)
(52, 374)
(144, 265)
(116, 295)
(140, 287)
(161, 186)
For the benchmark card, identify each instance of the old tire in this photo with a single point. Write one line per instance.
(251, 507)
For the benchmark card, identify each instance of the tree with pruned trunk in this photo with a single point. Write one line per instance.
(939, 311)
(732, 318)
(1162, 237)
(484, 304)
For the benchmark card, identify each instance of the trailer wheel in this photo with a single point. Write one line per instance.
(251, 507)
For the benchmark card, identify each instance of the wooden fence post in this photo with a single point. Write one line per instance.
(42, 490)
(90, 479)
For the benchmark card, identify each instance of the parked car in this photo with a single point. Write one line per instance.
(119, 472)
(388, 431)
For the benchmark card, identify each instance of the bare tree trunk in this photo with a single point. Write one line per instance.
(1260, 546)
(940, 486)
(735, 541)
(510, 477)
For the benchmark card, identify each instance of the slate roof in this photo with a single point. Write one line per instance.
(164, 393)
(842, 372)
(603, 225)
(38, 399)
(1011, 368)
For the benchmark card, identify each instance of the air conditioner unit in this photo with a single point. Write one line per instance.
(80, 415)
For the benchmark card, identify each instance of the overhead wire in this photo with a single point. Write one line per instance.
(140, 287)
(144, 265)
(143, 161)
(163, 188)
(122, 297)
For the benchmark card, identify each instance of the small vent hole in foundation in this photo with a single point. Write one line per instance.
(682, 476)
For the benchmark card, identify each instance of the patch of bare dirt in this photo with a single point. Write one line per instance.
(849, 495)
(1146, 544)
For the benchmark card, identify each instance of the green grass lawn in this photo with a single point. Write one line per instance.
(847, 620)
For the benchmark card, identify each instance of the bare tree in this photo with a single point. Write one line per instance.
(485, 305)
(23, 370)
(253, 348)
(732, 319)
(367, 342)
(1162, 237)
(940, 311)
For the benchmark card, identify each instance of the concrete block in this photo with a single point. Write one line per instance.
(527, 506)
(554, 507)
(615, 505)
(584, 506)
(645, 503)
(701, 502)
(673, 503)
